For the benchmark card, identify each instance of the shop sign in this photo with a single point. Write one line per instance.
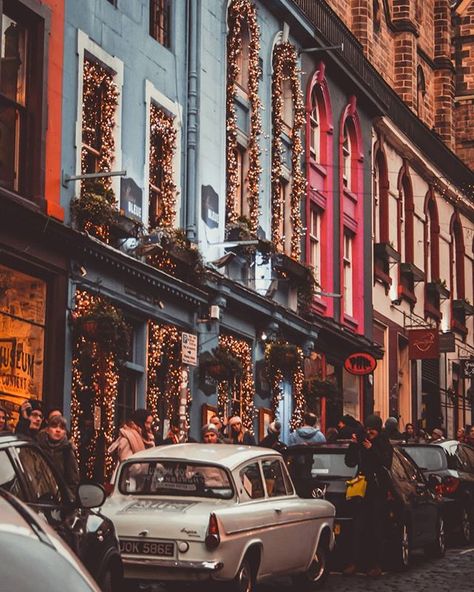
(423, 344)
(360, 363)
(209, 206)
(131, 199)
(189, 349)
(447, 342)
(468, 368)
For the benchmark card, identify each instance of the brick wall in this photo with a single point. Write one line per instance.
(463, 29)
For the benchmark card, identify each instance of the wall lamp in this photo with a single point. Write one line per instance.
(270, 332)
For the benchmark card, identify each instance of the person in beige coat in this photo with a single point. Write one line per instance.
(133, 436)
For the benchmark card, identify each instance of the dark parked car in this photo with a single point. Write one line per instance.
(28, 474)
(453, 462)
(414, 516)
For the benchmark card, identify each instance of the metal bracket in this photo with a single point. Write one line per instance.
(66, 179)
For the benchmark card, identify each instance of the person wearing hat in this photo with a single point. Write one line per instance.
(238, 434)
(371, 452)
(272, 439)
(210, 434)
(391, 429)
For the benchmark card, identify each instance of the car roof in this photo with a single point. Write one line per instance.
(341, 446)
(227, 455)
(8, 437)
(441, 443)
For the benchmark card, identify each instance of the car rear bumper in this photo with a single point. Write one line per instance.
(169, 570)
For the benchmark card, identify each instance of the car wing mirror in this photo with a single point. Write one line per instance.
(90, 495)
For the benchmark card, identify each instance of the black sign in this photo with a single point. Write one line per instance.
(447, 342)
(131, 199)
(468, 368)
(209, 206)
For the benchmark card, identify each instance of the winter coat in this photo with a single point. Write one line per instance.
(247, 440)
(306, 435)
(62, 455)
(374, 463)
(272, 441)
(128, 442)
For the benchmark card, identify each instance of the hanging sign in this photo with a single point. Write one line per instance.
(423, 344)
(189, 349)
(360, 363)
(468, 368)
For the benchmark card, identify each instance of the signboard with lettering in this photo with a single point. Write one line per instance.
(447, 342)
(360, 363)
(189, 349)
(423, 344)
(209, 206)
(131, 199)
(468, 368)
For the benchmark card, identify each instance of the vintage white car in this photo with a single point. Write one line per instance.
(225, 513)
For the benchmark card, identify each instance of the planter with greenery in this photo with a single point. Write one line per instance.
(219, 365)
(319, 388)
(94, 209)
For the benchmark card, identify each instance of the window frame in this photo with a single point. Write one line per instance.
(160, 32)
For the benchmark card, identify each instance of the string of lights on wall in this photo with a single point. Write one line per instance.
(285, 67)
(240, 349)
(243, 13)
(96, 371)
(99, 106)
(162, 151)
(297, 383)
(164, 368)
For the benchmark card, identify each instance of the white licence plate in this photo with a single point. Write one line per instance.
(155, 548)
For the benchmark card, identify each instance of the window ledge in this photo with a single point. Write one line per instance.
(459, 327)
(318, 305)
(432, 311)
(352, 196)
(407, 294)
(350, 322)
(319, 168)
(382, 277)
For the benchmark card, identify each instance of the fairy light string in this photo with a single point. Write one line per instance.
(285, 67)
(243, 13)
(100, 97)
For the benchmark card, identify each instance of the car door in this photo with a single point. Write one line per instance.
(9, 480)
(47, 495)
(468, 473)
(424, 501)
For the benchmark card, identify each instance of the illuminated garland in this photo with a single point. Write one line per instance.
(96, 370)
(276, 377)
(162, 150)
(285, 66)
(243, 352)
(240, 12)
(99, 106)
(164, 368)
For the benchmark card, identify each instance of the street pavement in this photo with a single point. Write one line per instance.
(453, 573)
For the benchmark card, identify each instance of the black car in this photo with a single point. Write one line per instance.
(29, 475)
(453, 463)
(414, 517)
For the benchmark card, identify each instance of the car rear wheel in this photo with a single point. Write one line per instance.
(317, 572)
(244, 580)
(401, 552)
(465, 531)
(438, 547)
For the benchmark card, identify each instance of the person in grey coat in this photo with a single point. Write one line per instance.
(308, 433)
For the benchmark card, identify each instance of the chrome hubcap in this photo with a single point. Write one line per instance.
(244, 579)
(317, 566)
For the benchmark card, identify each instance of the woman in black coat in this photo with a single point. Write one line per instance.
(371, 452)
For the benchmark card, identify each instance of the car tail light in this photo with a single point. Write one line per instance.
(449, 485)
(212, 536)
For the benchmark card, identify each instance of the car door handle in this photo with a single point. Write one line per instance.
(278, 510)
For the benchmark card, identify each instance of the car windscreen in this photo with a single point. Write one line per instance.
(318, 464)
(173, 478)
(431, 459)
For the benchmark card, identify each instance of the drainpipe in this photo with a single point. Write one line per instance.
(192, 46)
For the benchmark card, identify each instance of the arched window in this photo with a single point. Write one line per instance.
(319, 202)
(346, 159)
(381, 198)
(420, 90)
(376, 16)
(242, 78)
(432, 239)
(457, 258)
(406, 219)
(288, 104)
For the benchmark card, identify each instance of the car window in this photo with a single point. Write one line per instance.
(410, 469)
(42, 482)
(274, 480)
(430, 458)
(8, 477)
(251, 480)
(397, 469)
(175, 478)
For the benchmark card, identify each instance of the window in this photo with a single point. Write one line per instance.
(8, 478)
(113, 2)
(288, 111)
(407, 218)
(285, 221)
(457, 250)
(251, 480)
(347, 273)
(314, 242)
(42, 482)
(315, 127)
(420, 90)
(274, 480)
(241, 204)
(20, 99)
(346, 159)
(376, 16)
(131, 373)
(160, 21)
(242, 78)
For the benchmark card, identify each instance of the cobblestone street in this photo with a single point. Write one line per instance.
(453, 573)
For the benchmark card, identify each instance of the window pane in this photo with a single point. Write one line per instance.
(9, 146)
(160, 21)
(273, 476)
(252, 481)
(8, 478)
(42, 481)
(13, 60)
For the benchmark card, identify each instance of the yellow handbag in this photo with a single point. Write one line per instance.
(356, 487)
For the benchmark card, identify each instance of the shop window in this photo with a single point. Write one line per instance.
(160, 21)
(315, 242)
(347, 263)
(20, 115)
(22, 334)
(131, 373)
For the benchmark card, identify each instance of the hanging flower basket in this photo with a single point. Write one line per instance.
(104, 324)
(322, 388)
(220, 365)
(95, 206)
(283, 356)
